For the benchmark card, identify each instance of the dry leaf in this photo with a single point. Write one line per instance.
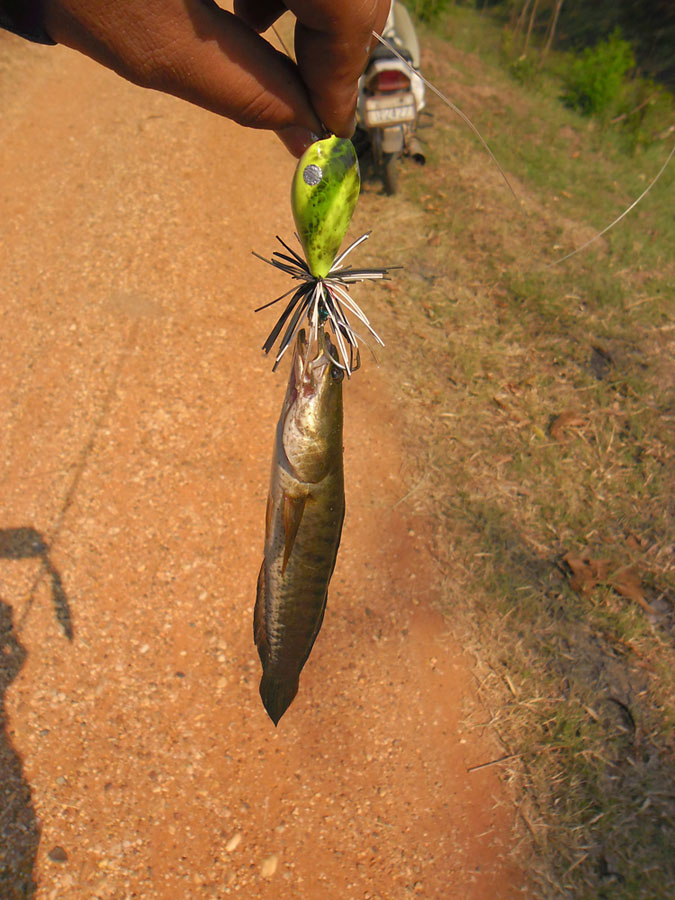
(586, 572)
(627, 583)
(634, 542)
(571, 418)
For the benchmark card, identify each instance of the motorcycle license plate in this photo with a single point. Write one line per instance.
(389, 110)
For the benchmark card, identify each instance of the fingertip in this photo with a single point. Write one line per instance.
(346, 127)
(296, 139)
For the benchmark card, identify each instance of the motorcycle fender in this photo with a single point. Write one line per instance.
(393, 139)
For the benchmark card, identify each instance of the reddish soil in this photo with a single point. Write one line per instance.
(136, 423)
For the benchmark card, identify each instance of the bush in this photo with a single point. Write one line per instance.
(429, 11)
(595, 80)
(524, 70)
(645, 113)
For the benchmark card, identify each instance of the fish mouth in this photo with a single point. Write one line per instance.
(311, 358)
(315, 364)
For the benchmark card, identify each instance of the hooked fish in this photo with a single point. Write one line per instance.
(305, 511)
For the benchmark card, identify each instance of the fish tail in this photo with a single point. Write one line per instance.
(277, 694)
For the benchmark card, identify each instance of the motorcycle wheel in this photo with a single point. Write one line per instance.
(390, 172)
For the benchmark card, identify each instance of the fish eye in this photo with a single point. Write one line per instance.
(312, 175)
(337, 374)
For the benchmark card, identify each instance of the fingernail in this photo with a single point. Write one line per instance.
(297, 139)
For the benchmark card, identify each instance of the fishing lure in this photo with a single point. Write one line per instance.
(324, 193)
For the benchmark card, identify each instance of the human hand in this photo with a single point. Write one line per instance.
(218, 60)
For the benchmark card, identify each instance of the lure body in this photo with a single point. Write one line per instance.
(305, 511)
(324, 193)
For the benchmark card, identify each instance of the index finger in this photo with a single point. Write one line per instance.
(332, 41)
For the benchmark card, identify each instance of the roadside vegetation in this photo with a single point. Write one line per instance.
(538, 403)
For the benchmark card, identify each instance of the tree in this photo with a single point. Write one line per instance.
(551, 30)
(533, 16)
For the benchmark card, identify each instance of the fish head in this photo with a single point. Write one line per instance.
(312, 416)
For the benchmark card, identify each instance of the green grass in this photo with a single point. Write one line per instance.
(495, 345)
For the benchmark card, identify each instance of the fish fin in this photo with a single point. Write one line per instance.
(277, 694)
(260, 619)
(294, 507)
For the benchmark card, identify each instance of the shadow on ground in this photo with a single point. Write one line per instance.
(19, 828)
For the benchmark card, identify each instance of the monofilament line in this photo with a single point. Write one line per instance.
(463, 116)
(618, 218)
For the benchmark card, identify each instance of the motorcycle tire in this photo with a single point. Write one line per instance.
(390, 173)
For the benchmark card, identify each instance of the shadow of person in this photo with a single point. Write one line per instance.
(27, 543)
(19, 831)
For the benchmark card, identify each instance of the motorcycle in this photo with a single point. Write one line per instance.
(391, 97)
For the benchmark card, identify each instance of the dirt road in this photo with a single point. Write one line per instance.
(136, 424)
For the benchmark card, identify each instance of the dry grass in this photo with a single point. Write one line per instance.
(538, 404)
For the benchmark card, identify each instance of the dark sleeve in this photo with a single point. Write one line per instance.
(24, 17)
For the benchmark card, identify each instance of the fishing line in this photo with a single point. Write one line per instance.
(618, 218)
(463, 116)
(473, 128)
(281, 41)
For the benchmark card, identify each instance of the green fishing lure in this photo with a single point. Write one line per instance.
(324, 194)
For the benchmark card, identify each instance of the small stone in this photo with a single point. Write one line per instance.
(269, 867)
(57, 854)
(233, 843)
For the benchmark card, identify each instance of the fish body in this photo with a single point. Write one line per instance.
(324, 193)
(305, 511)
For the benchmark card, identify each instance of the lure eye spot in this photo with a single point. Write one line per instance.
(337, 374)
(312, 175)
